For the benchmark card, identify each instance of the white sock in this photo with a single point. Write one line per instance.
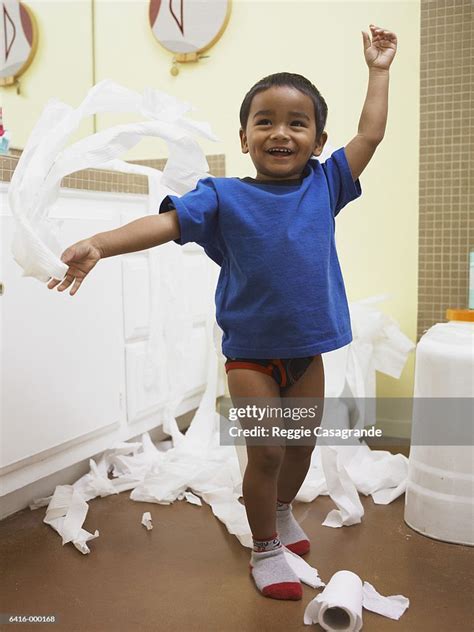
(289, 531)
(272, 575)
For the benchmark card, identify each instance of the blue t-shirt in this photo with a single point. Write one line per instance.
(280, 292)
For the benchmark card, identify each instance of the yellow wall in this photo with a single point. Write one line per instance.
(61, 68)
(377, 235)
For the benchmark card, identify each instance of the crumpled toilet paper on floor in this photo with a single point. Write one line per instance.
(147, 521)
(339, 606)
(45, 160)
(196, 461)
(66, 513)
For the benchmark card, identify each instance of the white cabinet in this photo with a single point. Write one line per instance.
(80, 373)
(61, 356)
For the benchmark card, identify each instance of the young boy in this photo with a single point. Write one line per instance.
(280, 298)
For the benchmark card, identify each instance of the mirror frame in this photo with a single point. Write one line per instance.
(191, 56)
(13, 79)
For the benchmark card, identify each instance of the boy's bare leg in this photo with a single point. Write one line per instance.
(272, 575)
(297, 459)
(259, 486)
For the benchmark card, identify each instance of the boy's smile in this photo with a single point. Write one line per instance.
(281, 133)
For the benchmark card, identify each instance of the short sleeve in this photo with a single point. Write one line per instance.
(342, 188)
(197, 213)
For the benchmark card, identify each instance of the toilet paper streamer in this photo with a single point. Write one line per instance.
(339, 606)
(35, 183)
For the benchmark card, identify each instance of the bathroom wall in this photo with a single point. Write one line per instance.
(377, 235)
(446, 141)
(61, 68)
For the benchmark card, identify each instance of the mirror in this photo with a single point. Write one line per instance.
(188, 27)
(18, 40)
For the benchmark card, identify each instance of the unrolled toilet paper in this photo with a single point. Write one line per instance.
(47, 159)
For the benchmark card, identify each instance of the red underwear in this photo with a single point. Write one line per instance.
(284, 371)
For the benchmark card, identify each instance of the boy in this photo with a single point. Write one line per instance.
(280, 299)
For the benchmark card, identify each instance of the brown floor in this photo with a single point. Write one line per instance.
(189, 574)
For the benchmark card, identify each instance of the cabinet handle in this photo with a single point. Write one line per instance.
(2, 288)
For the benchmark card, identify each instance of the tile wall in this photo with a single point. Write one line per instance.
(111, 181)
(446, 226)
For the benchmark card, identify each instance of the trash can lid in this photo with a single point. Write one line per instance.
(460, 314)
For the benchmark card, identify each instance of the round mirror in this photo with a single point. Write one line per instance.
(188, 26)
(18, 40)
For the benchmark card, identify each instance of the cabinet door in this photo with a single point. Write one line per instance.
(62, 356)
(168, 298)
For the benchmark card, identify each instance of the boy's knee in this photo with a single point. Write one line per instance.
(267, 459)
(300, 452)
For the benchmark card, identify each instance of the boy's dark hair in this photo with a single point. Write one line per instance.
(293, 81)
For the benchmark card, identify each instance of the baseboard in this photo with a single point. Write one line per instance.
(21, 498)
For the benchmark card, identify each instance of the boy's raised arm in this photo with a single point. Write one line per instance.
(142, 234)
(379, 55)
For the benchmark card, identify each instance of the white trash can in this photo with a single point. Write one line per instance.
(439, 500)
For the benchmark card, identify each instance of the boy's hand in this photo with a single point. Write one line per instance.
(380, 52)
(80, 258)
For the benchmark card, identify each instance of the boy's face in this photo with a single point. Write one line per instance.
(281, 118)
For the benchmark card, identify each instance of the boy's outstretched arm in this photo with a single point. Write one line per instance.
(142, 234)
(379, 55)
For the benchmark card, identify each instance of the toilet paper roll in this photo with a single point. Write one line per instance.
(339, 606)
